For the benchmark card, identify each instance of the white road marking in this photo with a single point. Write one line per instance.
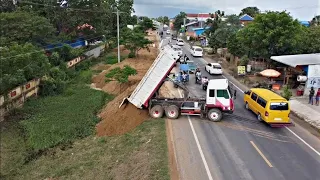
(199, 147)
(302, 140)
(317, 152)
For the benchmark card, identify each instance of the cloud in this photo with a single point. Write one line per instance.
(303, 10)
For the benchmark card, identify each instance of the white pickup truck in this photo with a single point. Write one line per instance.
(218, 97)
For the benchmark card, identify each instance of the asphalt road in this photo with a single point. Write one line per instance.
(240, 147)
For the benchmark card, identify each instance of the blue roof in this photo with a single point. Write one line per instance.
(199, 29)
(246, 17)
(305, 23)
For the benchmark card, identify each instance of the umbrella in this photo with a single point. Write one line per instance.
(270, 73)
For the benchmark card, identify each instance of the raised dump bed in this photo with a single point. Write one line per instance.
(152, 80)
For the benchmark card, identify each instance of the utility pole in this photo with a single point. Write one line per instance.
(118, 32)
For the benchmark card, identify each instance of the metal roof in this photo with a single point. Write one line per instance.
(246, 17)
(300, 59)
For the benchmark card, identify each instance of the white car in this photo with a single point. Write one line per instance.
(177, 49)
(180, 42)
(168, 31)
(214, 68)
(196, 51)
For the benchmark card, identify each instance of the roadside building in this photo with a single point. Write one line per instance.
(246, 19)
(300, 71)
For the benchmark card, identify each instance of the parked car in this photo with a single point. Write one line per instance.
(196, 51)
(174, 37)
(214, 68)
(168, 31)
(180, 42)
(177, 49)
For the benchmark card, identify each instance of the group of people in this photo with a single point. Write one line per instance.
(312, 94)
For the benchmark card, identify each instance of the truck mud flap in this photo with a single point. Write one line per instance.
(280, 125)
(124, 101)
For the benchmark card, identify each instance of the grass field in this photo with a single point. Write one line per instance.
(137, 155)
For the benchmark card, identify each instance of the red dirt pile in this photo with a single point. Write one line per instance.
(115, 120)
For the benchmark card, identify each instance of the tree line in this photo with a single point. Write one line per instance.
(28, 26)
(270, 33)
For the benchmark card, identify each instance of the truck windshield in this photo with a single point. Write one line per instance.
(279, 106)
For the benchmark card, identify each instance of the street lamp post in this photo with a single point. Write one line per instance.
(118, 31)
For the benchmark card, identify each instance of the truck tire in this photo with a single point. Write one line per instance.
(156, 111)
(172, 112)
(214, 115)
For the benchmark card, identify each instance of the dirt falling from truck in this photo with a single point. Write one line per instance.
(116, 121)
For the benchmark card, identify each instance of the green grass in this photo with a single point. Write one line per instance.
(139, 154)
(62, 118)
(113, 59)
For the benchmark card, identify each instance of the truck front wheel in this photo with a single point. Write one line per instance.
(156, 111)
(172, 112)
(214, 115)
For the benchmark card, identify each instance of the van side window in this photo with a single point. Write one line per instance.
(254, 96)
(209, 64)
(262, 102)
(223, 93)
(211, 93)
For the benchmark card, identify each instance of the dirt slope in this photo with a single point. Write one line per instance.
(115, 120)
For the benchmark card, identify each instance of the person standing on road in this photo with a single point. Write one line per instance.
(311, 94)
(317, 97)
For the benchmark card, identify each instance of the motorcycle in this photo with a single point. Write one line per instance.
(184, 81)
(198, 79)
(205, 84)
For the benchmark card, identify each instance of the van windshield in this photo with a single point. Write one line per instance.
(180, 40)
(198, 49)
(279, 106)
(216, 67)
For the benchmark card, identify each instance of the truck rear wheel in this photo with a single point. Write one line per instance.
(214, 115)
(172, 112)
(156, 111)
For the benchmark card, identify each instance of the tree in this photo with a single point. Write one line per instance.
(233, 20)
(235, 46)
(310, 40)
(273, 33)
(179, 20)
(24, 27)
(146, 24)
(135, 40)
(251, 11)
(134, 20)
(315, 21)
(214, 24)
(166, 20)
(21, 63)
(120, 75)
(7, 6)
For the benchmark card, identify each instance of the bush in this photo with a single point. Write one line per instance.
(244, 60)
(286, 93)
(50, 86)
(131, 55)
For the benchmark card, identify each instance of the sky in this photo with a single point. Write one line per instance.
(303, 10)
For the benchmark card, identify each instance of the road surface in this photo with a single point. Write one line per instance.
(240, 147)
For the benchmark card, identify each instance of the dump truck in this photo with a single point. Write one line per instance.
(146, 96)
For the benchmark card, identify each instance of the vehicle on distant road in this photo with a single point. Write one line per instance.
(180, 42)
(174, 37)
(196, 51)
(168, 32)
(177, 49)
(268, 106)
(213, 68)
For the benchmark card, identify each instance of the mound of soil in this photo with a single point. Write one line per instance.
(116, 121)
